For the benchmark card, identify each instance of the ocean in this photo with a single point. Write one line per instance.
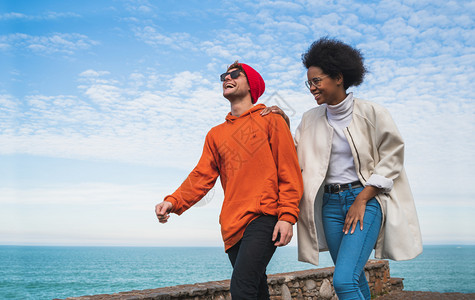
(37, 272)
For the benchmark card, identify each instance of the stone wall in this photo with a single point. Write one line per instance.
(305, 285)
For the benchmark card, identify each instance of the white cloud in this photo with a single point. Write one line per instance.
(103, 94)
(65, 43)
(186, 81)
(93, 73)
(139, 6)
(287, 27)
(13, 15)
(7, 103)
(280, 5)
(118, 122)
(154, 37)
(44, 16)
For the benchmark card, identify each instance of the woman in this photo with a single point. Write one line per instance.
(356, 194)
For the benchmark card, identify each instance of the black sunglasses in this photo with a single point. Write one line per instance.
(234, 74)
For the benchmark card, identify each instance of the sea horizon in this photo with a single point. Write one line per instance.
(61, 271)
(180, 246)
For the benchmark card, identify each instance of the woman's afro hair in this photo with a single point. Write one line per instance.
(334, 58)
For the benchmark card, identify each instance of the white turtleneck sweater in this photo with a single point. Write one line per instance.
(341, 168)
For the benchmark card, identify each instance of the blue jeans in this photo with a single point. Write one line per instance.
(350, 252)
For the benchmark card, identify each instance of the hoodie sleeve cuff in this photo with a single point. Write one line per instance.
(380, 182)
(174, 203)
(288, 218)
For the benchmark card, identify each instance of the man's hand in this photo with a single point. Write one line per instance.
(285, 230)
(276, 110)
(162, 211)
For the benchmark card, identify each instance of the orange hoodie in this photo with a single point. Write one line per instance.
(260, 175)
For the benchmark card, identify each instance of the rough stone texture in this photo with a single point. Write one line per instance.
(310, 284)
(305, 285)
(285, 294)
(396, 284)
(403, 295)
(326, 290)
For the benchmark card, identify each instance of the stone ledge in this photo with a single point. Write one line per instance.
(396, 284)
(306, 284)
(414, 295)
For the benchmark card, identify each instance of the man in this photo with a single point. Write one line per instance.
(260, 175)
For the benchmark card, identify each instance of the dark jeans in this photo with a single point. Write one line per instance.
(250, 257)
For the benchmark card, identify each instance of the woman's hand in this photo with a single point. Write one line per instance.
(357, 209)
(276, 110)
(355, 214)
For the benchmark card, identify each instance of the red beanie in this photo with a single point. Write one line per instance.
(256, 83)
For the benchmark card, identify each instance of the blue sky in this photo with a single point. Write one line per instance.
(104, 106)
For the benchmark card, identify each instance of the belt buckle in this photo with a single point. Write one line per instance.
(336, 188)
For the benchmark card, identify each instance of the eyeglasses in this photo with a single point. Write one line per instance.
(234, 74)
(316, 81)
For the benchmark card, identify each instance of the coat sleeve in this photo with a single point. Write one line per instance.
(390, 147)
(288, 170)
(199, 181)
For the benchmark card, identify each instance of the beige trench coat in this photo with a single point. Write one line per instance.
(377, 148)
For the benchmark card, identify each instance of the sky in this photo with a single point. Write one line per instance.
(104, 106)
